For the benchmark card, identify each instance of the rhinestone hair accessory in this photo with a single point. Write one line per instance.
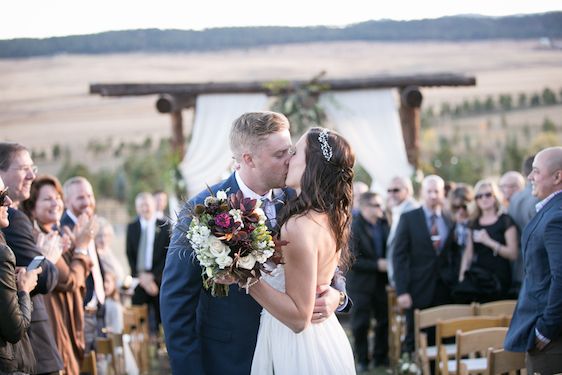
(324, 145)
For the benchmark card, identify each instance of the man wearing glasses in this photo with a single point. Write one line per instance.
(400, 200)
(367, 280)
(18, 172)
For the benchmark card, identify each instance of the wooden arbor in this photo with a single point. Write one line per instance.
(174, 97)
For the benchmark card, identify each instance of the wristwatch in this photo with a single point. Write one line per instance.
(342, 298)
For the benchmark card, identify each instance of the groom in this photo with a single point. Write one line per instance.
(217, 335)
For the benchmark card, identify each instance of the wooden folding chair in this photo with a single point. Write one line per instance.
(105, 346)
(88, 364)
(502, 362)
(428, 318)
(118, 352)
(448, 328)
(142, 336)
(504, 307)
(394, 327)
(478, 342)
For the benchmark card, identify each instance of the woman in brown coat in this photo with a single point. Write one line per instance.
(16, 354)
(65, 303)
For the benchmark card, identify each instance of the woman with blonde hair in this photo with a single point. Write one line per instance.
(492, 243)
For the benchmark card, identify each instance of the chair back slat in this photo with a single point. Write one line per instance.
(88, 364)
(504, 307)
(501, 361)
(479, 341)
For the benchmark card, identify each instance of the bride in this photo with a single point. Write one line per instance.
(316, 225)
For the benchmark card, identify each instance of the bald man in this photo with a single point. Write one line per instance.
(536, 327)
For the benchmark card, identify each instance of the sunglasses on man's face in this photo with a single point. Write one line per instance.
(3, 195)
(394, 190)
(480, 196)
(457, 207)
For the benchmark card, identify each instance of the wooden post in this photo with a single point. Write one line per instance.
(410, 117)
(174, 104)
(178, 146)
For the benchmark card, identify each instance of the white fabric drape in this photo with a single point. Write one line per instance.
(369, 120)
(209, 156)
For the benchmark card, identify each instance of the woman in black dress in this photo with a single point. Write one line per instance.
(492, 244)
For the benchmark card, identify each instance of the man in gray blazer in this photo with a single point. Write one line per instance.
(536, 326)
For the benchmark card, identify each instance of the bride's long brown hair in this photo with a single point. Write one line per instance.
(326, 187)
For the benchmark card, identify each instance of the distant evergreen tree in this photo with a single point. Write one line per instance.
(548, 97)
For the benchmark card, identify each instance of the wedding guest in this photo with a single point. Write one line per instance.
(18, 172)
(80, 205)
(400, 200)
(103, 240)
(522, 209)
(367, 280)
(536, 326)
(425, 256)
(460, 199)
(161, 199)
(511, 182)
(16, 354)
(148, 239)
(491, 245)
(44, 207)
(359, 187)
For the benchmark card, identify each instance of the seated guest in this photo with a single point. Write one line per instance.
(44, 207)
(492, 243)
(16, 354)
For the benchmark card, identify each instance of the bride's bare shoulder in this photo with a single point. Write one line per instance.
(311, 223)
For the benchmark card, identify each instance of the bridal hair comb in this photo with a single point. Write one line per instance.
(326, 148)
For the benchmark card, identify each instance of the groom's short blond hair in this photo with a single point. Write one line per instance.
(251, 128)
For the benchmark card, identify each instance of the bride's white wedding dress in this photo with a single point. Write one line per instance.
(320, 349)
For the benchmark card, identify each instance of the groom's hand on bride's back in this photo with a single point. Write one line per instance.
(327, 301)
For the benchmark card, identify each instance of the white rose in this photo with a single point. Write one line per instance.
(261, 257)
(247, 262)
(217, 247)
(261, 215)
(223, 261)
(221, 194)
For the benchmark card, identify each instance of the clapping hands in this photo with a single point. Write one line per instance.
(50, 245)
(83, 232)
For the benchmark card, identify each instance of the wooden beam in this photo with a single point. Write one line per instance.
(193, 89)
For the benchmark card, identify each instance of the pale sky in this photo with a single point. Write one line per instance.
(44, 18)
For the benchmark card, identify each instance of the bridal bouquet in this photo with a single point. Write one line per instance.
(230, 239)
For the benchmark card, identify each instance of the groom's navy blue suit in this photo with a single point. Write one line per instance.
(204, 334)
(540, 300)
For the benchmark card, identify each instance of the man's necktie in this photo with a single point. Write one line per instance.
(141, 255)
(268, 208)
(96, 274)
(435, 239)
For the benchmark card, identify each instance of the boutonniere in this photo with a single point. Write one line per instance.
(157, 230)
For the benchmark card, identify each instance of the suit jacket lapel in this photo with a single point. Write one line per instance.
(532, 225)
